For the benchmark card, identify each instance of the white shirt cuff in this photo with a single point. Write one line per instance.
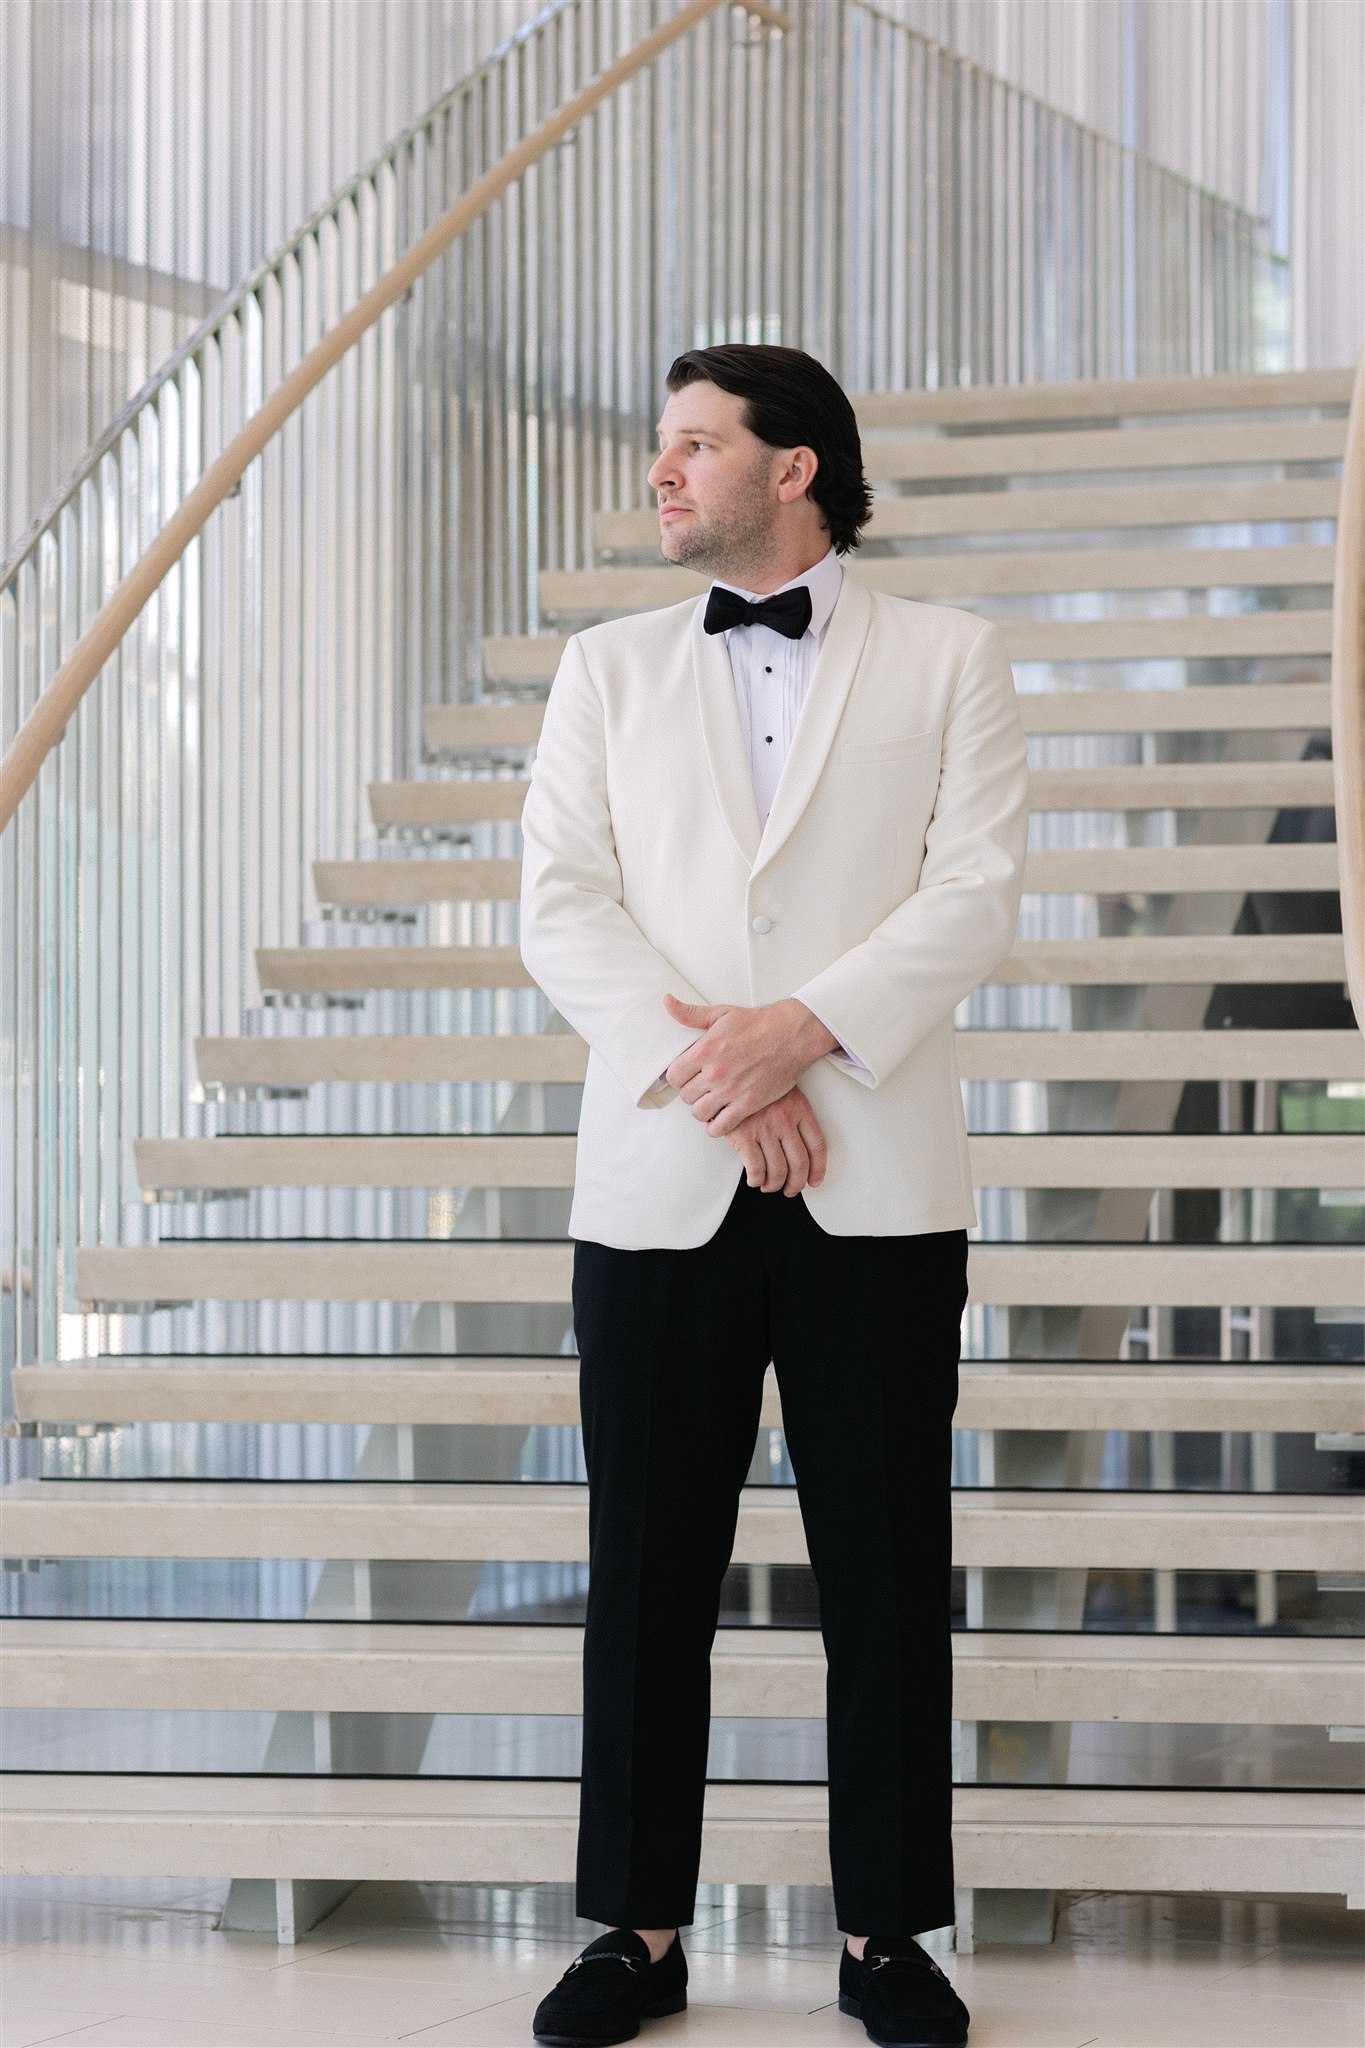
(839, 1051)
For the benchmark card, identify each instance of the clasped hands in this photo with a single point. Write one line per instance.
(739, 1079)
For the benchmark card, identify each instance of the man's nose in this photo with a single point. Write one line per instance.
(661, 468)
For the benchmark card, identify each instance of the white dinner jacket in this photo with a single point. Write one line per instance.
(884, 887)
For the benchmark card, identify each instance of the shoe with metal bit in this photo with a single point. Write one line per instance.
(607, 1990)
(901, 1996)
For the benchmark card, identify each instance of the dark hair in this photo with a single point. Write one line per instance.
(792, 401)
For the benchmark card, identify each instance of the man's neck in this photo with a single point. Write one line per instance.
(773, 575)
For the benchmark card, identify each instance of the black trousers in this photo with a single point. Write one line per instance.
(864, 1334)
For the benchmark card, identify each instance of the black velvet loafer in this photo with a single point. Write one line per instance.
(606, 1992)
(901, 1996)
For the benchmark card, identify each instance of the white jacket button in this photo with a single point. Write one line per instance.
(763, 924)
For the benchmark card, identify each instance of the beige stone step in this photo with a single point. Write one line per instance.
(529, 1389)
(492, 722)
(447, 803)
(1053, 1159)
(533, 658)
(298, 1062)
(1082, 509)
(1173, 785)
(403, 882)
(1091, 871)
(1196, 445)
(473, 1668)
(1160, 1055)
(1032, 1275)
(1200, 707)
(486, 724)
(1292, 957)
(1161, 870)
(352, 970)
(940, 578)
(1180, 785)
(1183, 785)
(526, 1521)
(505, 1160)
(248, 1269)
(465, 801)
(301, 1061)
(518, 1830)
(1106, 398)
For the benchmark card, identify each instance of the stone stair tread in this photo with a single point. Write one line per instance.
(285, 1060)
(509, 1829)
(1196, 707)
(544, 1520)
(1081, 509)
(981, 1055)
(1172, 785)
(1092, 871)
(1312, 957)
(1236, 869)
(1031, 450)
(940, 577)
(1198, 636)
(474, 1667)
(1021, 1274)
(531, 1389)
(1054, 1159)
(1108, 397)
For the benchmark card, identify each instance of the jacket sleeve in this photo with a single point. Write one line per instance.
(915, 967)
(577, 941)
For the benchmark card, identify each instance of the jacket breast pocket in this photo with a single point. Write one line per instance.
(904, 747)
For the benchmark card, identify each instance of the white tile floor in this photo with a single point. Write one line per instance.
(145, 1965)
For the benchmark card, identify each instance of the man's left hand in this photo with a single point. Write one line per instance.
(746, 1058)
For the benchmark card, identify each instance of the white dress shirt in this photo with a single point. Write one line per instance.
(772, 676)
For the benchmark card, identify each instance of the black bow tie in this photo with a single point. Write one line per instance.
(788, 611)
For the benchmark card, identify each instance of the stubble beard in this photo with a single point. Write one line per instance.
(735, 543)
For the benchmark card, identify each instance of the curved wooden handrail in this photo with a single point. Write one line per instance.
(1348, 695)
(48, 719)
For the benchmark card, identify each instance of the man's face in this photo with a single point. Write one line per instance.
(717, 483)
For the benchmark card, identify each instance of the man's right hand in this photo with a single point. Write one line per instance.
(782, 1146)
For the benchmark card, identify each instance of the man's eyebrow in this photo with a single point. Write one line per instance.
(706, 433)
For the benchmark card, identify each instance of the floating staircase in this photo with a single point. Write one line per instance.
(1159, 554)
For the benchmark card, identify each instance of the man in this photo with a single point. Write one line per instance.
(773, 836)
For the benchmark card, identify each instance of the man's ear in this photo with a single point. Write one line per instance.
(807, 463)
